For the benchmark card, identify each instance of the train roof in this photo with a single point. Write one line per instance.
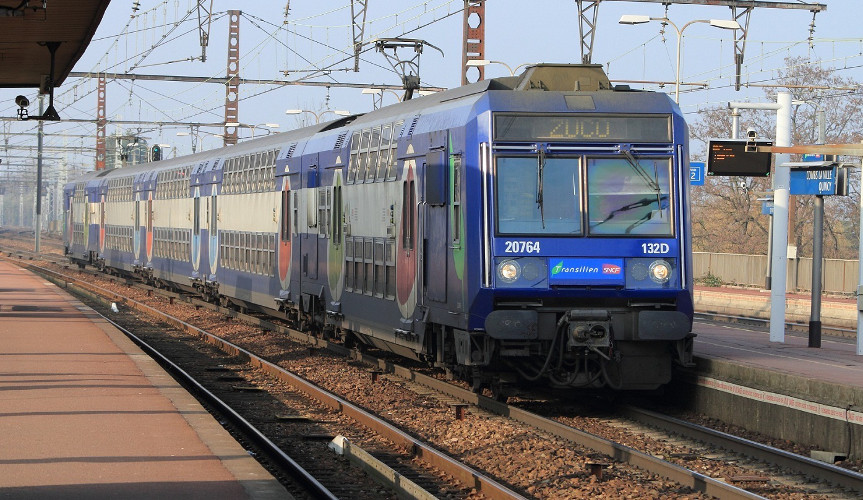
(539, 89)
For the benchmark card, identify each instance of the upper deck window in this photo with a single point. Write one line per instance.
(582, 128)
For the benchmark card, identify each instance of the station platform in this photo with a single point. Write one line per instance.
(811, 396)
(84, 413)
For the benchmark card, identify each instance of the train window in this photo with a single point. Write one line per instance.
(323, 210)
(228, 176)
(359, 275)
(374, 145)
(286, 216)
(196, 218)
(349, 264)
(538, 195)
(355, 148)
(232, 249)
(391, 166)
(247, 247)
(383, 153)
(455, 198)
(296, 213)
(629, 196)
(412, 205)
(364, 155)
(380, 269)
(336, 222)
(259, 254)
(225, 249)
(391, 269)
(260, 247)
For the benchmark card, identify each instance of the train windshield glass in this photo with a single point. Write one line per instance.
(629, 196)
(538, 195)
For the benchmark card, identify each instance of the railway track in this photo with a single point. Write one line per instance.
(403, 447)
(756, 481)
(300, 482)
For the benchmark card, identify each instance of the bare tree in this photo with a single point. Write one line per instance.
(726, 215)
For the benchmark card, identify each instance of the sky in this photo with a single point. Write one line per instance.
(161, 38)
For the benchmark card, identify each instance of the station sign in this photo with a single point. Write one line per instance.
(735, 157)
(696, 173)
(823, 180)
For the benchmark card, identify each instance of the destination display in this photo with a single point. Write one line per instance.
(728, 157)
(582, 128)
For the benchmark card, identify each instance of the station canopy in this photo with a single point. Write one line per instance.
(28, 27)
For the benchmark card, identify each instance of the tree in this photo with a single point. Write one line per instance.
(725, 212)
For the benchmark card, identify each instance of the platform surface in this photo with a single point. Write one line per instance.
(835, 361)
(85, 414)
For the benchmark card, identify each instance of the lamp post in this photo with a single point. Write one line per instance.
(317, 115)
(718, 23)
(265, 126)
(486, 62)
(195, 135)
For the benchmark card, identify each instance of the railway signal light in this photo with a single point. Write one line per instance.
(156, 153)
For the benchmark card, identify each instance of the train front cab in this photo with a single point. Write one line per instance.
(587, 245)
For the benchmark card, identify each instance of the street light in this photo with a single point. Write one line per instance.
(486, 62)
(195, 136)
(726, 24)
(317, 115)
(265, 126)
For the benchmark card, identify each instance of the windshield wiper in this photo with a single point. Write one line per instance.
(539, 182)
(644, 202)
(653, 183)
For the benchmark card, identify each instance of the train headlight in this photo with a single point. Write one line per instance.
(660, 271)
(508, 271)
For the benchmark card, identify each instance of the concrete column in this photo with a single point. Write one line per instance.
(781, 182)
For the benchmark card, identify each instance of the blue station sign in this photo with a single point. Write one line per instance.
(696, 173)
(817, 181)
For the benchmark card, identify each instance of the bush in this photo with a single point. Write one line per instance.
(710, 279)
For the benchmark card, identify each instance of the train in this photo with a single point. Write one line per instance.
(515, 232)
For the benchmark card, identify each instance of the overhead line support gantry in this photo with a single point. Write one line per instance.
(740, 11)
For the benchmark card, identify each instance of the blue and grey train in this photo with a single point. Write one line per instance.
(528, 229)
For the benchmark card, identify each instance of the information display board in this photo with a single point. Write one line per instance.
(726, 157)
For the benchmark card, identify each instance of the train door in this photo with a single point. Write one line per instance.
(196, 231)
(213, 249)
(406, 246)
(102, 223)
(149, 237)
(309, 245)
(136, 232)
(285, 235)
(436, 224)
(70, 224)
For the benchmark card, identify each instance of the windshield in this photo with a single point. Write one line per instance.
(538, 195)
(628, 196)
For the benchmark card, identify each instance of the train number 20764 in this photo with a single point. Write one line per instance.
(522, 247)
